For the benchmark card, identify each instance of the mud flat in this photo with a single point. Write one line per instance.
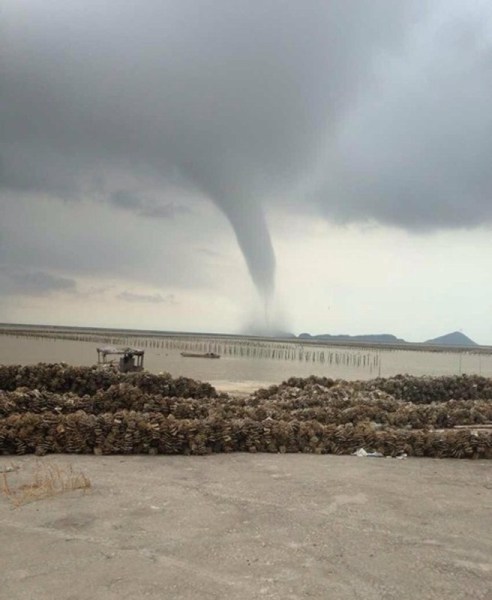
(248, 526)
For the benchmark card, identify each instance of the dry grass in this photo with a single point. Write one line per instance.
(47, 480)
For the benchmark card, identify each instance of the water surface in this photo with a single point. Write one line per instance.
(245, 363)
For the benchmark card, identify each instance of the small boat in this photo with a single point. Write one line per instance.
(131, 358)
(200, 355)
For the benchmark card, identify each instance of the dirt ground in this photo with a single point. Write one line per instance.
(247, 526)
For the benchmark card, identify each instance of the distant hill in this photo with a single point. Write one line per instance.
(452, 339)
(381, 338)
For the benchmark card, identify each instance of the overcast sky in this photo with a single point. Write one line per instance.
(177, 164)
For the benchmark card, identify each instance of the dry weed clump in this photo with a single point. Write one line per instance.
(47, 480)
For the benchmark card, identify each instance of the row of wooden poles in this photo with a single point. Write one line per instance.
(235, 347)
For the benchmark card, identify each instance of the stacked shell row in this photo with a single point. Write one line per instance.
(420, 390)
(146, 413)
(337, 406)
(61, 378)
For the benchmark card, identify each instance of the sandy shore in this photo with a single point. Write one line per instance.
(247, 526)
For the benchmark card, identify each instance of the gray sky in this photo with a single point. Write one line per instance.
(173, 164)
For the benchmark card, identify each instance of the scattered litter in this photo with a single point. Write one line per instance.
(363, 453)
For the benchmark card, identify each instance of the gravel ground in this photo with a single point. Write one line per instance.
(247, 526)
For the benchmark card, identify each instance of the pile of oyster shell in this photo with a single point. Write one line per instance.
(62, 378)
(56, 408)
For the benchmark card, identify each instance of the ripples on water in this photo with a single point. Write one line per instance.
(245, 363)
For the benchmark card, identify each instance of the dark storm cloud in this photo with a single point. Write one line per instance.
(129, 201)
(87, 241)
(240, 100)
(125, 199)
(28, 282)
(417, 150)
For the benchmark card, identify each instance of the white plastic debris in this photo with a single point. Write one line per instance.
(363, 454)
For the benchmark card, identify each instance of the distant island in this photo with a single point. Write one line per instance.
(456, 338)
(452, 339)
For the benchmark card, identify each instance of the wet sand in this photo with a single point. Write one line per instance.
(249, 526)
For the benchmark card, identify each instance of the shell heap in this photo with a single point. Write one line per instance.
(56, 408)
